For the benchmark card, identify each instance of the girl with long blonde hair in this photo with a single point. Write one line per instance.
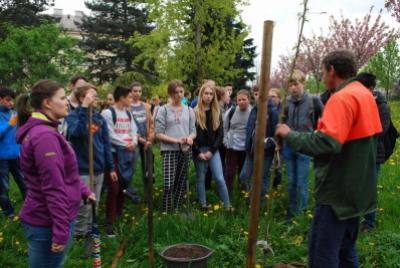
(209, 137)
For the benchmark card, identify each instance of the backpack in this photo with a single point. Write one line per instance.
(389, 140)
(315, 111)
(114, 119)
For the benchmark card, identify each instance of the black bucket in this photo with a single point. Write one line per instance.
(182, 261)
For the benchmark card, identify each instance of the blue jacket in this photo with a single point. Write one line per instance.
(9, 149)
(78, 135)
(273, 117)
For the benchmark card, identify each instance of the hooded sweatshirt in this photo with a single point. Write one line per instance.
(9, 148)
(52, 179)
(78, 134)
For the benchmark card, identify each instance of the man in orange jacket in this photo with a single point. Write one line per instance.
(344, 149)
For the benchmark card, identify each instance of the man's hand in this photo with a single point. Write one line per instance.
(282, 130)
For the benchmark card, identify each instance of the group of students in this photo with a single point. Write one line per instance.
(50, 161)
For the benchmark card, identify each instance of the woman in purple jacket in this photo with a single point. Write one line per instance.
(54, 190)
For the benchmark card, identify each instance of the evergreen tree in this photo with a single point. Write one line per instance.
(105, 37)
(197, 39)
(23, 13)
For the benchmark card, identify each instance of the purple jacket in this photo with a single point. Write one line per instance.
(54, 189)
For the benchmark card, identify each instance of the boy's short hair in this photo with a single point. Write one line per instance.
(343, 61)
(7, 92)
(243, 92)
(298, 76)
(75, 79)
(121, 92)
(367, 79)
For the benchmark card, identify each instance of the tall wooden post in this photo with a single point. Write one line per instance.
(262, 111)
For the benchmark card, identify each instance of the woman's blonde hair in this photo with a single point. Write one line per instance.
(201, 112)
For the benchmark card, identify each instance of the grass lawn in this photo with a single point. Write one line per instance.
(224, 232)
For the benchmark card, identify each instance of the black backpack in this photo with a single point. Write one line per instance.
(389, 140)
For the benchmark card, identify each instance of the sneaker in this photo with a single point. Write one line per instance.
(134, 198)
(110, 231)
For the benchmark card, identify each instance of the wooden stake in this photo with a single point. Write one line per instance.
(262, 111)
(149, 178)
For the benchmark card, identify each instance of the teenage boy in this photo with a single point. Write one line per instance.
(123, 134)
(142, 114)
(235, 120)
(75, 82)
(9, 153)
(269, 144)
(301, 114)
(369, 81)
(344, 147)
(78, 133)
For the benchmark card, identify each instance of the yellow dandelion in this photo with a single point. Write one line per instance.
(381, 209)
(16, 218)
(298, 240)
(17, 242)
(310, 216)
(258, 265)
(216, 207)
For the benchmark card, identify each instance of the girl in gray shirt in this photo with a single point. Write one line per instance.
(175, 129)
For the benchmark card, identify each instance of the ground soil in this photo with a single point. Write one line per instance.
(186, 252)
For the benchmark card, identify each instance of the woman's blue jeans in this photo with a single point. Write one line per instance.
(297, 169)
(218, 175)
(39, 246)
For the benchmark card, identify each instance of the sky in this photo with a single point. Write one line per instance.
(284, 13)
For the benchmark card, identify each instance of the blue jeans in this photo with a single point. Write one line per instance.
(39, 246)
(332, 242)
(247, 173)
(297, 168)
(6, 167)
(218, 174)
(370, 218)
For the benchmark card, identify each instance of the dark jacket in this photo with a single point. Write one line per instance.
(78, 135)
(52, 179)
(302, 115)
(208, 137)
(273, 118)
(384, 115)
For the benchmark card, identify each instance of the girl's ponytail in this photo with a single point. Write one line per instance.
(23, 109)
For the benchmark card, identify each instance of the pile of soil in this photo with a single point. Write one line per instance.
(187, 252)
